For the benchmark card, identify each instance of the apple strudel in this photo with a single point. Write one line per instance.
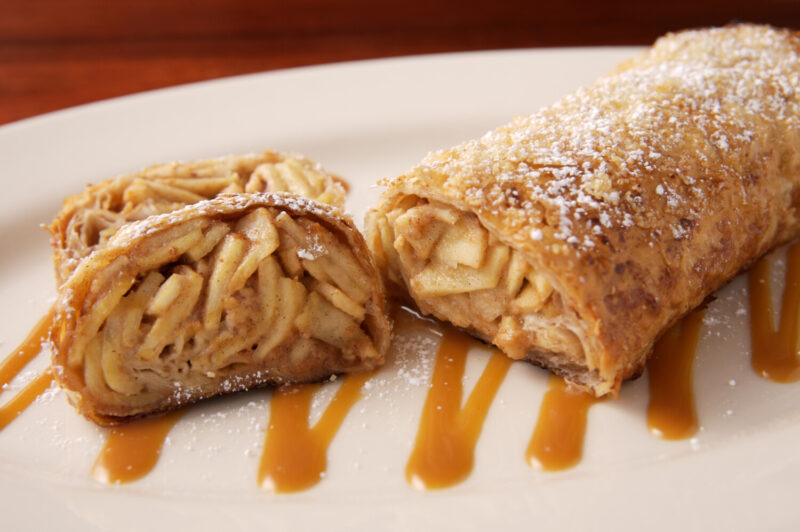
(225, 294)
(575, 236)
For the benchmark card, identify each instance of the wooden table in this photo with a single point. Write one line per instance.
(59, 53)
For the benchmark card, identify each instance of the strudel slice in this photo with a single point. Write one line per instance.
(575, 236)
(222, 295)
(89, 219)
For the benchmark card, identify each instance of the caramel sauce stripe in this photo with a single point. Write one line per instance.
(14, 363)
(671, 413)
(557, 440)
(295, 455)
(132, 450)
(17, 404)
(774, 353)
(30, 347)
(443, 453)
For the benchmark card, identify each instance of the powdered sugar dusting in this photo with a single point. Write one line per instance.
(650, 138)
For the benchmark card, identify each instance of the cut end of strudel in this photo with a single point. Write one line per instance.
(575, 236)
(227, 294)
(89, 219)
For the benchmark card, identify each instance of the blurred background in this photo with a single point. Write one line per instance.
(59, 53)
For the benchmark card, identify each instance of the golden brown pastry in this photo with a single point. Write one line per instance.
(90, 218)
(222, 295)
(575, 236)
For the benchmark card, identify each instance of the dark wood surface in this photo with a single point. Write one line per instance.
(59, 53)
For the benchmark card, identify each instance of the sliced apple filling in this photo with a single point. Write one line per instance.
(88, 220)
(264, 297)
(455, 269)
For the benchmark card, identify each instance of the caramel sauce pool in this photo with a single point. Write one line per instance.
(132, 450)
(443, 453)
(295, 455)
(775, 352)
(557, 441)
(671, 413)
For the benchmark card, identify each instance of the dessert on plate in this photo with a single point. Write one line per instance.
(221, 295)
(575, 236)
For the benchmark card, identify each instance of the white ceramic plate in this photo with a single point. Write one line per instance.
(366, 121)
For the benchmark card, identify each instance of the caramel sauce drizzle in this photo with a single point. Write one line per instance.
(443, 453)
(26, 351)
(295, 455)
(557, 440)
(132, 450)
(775, 354)
(13, 364)
(671, 413)
(17, 404)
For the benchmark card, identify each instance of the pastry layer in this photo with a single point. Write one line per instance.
(628, 202)
(87, 220)
(225, 294)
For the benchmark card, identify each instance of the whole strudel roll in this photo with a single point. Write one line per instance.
(225, 294)
(89, 219)
(575, 236)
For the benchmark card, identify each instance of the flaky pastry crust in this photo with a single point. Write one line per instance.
(628, 201)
